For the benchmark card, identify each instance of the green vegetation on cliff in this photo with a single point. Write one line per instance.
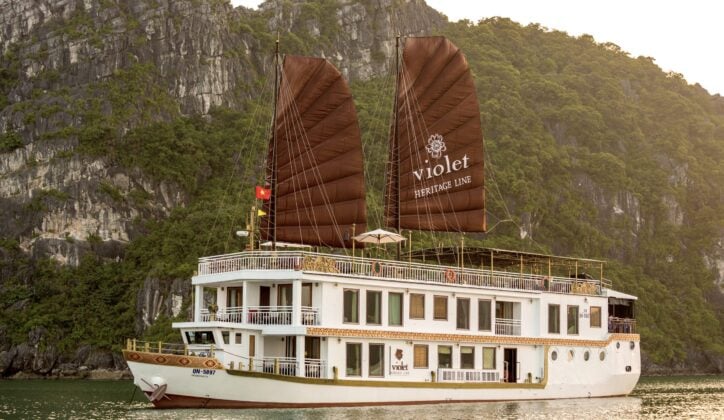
(596, 154)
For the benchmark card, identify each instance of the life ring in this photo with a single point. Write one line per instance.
(450, 275)
(376, 268)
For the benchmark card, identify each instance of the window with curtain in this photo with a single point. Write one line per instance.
(394, 308)
(351, 306)
(417, 306)
(463, 313)
(554, 319)
(595, 316)
(488, 357)
(377, 360)
(354, 359)
(467, 357)
(440, 307)
(572, 320)
(420, 359)
(284, 295)
(374, 307)
(484, 312)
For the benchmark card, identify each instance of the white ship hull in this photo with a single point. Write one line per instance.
(187, 387)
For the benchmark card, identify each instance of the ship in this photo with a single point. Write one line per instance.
(315, 320)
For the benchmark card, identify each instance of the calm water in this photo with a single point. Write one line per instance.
(662, 397)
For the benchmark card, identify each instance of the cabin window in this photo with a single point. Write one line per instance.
(595, 316)
(463, 314)
(554, 319)
(440, 306)
(237, 338)
(484, 319)
(488, 357)
(351, 306)
(467, 357)
(394, 308)
(572, 320)
(374, 307)
(420, 356)
(307, 294)
(284, 295)
(234, 296)
(225, 337)
(377, 360)
(417, 306)
(354, 359)
(199, 337)
(444, 357)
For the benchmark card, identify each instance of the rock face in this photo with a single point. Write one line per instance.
(66, 65)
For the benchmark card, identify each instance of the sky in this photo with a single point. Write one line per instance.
(686, 37)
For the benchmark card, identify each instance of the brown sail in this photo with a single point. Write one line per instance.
(314, 164)
(435, 172)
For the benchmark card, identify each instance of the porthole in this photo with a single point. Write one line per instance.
(571, 354)
(602, 356)
(618, 344)
(586, 355)
(632, 345)
(554, 355)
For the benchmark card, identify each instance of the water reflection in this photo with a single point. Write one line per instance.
(674, 397)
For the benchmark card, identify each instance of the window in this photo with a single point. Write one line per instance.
(199, 337)
(484, 311)
(354, 359)
(237, 338)
(440, 308)
(307, 294)
(351, 306)
(488, 357)
(463, 314)
(225, 337)
(284, 295)
(572, 320)
(554, 319)
(374, 307)
(444, 357)
(234, 297)
(420, 356)
(394, 308)
(417, 306)
(377, 360)
(595, 316)
(467, 357)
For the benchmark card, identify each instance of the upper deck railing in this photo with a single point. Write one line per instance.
(341, 265)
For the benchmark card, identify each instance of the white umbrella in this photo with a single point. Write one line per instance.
(379, 236)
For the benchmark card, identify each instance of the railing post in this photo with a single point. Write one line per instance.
(186, 350)
(134, 344)
(251, 364)
(211, 351)
(159, 347)
(128, 344)
(146, 347)
(335, 373)
(276, 366)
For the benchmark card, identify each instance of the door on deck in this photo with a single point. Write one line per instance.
(264, 293)
(234, 297)
(510, 365)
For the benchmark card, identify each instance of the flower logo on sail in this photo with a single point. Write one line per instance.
(435, 146)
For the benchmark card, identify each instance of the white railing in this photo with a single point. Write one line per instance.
(506, 326)
(341, 265)
(261, 315)
(287, 366)
(467, 375)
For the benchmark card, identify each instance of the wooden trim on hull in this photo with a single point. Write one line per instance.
(181, 401)
(171, 360)
(467, 338)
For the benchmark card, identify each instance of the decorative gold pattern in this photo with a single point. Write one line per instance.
(584, 288)
(319, 264)
(171, 360)
(487, 339)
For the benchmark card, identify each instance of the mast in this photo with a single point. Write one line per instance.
(397, 143)
(273, 203)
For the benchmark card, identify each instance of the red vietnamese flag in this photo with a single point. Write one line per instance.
(263, 193)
